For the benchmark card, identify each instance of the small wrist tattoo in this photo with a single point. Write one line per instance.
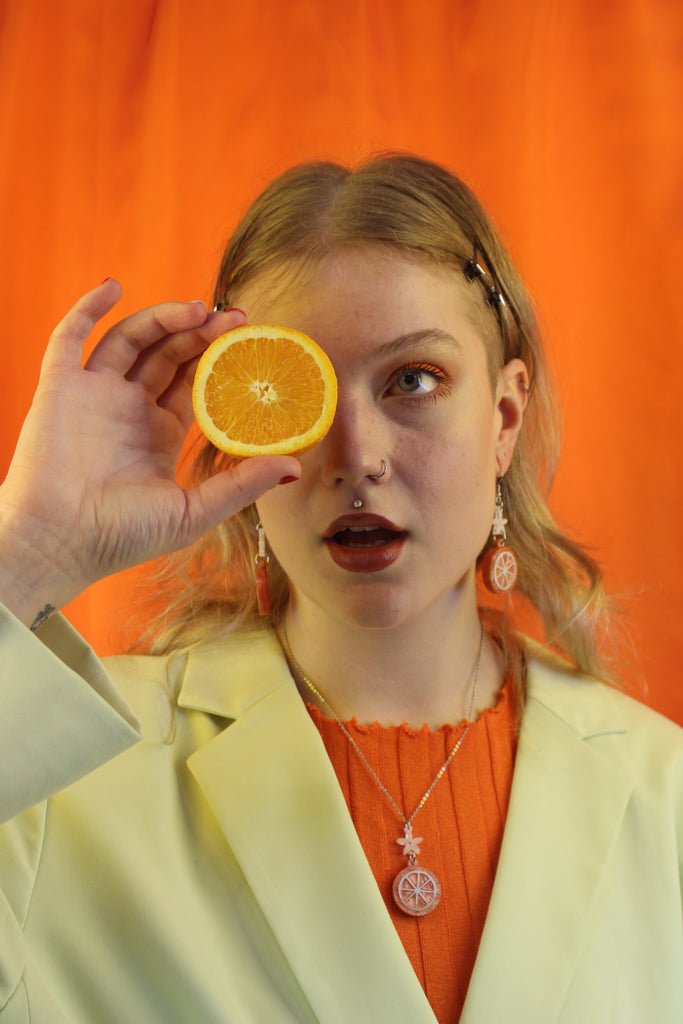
(41, 617)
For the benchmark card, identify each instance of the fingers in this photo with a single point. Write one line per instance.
(119, 350)
(148, 346)
(177, 398)
(135, 349)
(157, 368)
(67, 339)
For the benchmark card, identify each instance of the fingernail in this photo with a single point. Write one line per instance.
(235, 309)
(289, 479)
(105, 280)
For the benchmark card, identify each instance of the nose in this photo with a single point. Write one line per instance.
(355, 446)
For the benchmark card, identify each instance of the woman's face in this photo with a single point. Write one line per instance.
(414, 392)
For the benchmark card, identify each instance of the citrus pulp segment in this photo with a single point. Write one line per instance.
(262, 390)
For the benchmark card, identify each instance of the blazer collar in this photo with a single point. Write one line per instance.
(288, 825)
(567, 804)
(227, 677)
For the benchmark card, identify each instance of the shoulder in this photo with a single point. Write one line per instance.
(220, 677)
(147, 683)
(634, 737)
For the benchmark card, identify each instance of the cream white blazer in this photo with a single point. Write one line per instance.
(209, 873)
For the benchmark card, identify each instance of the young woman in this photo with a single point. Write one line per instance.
(378, 803)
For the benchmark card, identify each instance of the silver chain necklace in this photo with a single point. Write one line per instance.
(416, 889)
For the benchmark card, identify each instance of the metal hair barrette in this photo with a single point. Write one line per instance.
(474, 271)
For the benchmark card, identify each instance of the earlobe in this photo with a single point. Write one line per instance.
(513, 394)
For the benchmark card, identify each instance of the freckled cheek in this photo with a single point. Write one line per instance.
(464, 455)
(456, 481)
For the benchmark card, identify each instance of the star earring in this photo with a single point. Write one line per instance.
(499, 568)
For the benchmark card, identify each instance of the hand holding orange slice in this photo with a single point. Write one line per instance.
(263, 390)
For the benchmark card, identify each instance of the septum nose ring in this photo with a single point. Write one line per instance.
(371, 476)
(378, 476)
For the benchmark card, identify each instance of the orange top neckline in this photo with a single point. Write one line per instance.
(500, 707)
(460, 825)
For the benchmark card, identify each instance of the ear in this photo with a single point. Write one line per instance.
(512, 395)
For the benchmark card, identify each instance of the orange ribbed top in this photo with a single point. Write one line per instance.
(461, 826)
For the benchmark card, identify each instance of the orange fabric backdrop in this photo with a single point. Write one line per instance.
(133, 132)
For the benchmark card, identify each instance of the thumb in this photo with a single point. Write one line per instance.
(226, 493)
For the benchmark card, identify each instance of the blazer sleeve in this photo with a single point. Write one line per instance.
(61, 715)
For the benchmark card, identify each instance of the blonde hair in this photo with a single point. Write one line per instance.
(420, 211)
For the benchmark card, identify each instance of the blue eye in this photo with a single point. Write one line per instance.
(419, 380)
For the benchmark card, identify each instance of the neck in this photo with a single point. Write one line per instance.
(421, 673)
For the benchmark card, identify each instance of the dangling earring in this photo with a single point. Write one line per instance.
(499, 568)
(261, 573)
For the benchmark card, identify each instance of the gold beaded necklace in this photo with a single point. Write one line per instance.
(416, 889)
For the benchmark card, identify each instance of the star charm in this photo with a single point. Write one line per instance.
(499, 522)
(409, 844)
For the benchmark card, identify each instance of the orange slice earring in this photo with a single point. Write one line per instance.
(499, 568)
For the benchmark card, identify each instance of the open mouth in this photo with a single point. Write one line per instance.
(364, 543)
(364, 536)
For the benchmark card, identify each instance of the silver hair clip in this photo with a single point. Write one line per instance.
(474, 271)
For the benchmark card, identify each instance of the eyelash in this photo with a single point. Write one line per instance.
(430, 396)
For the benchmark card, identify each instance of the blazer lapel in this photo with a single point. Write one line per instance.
(566, 808)
(276, 797)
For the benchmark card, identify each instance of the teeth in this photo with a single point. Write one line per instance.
(368, 544)
(360, 529)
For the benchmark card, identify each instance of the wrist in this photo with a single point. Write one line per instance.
(33, 580)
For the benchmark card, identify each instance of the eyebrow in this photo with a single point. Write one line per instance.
(415, 338)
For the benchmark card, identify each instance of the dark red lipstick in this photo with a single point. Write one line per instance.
(363, 542)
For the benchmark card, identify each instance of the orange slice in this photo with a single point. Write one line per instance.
(264, 391)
